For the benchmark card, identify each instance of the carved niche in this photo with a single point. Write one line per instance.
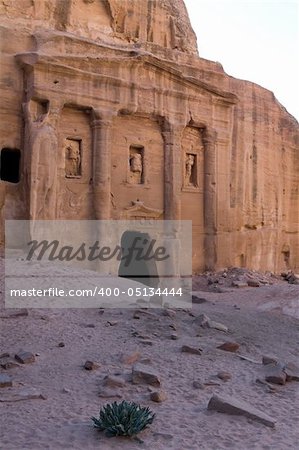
(136, 165)
(192, 159)
(191, 169)
(73, 158)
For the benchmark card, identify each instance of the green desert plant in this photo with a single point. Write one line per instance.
(123, 419)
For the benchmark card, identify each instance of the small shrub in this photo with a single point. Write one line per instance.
(123, 419)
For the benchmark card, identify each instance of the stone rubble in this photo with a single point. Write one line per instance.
(205, 322)
(229, 346)
(143, 374)
(192, 350)
(229, 405)
(91, 365)
(130, 358)
(275, 374)
(25, 357)
(158, 396)
(16, 394)
(5, 380)
(114, 381)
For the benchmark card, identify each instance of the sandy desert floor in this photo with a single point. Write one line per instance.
(262, 320)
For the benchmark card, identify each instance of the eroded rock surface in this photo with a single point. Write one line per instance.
(195, 143)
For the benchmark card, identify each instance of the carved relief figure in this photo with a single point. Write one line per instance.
(42, 141)
(136, 167)
(189, 169)
(72, 158)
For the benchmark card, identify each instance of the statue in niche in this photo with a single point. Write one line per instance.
(72, 158)
(189, 169)
(136, 167)
(41, 165)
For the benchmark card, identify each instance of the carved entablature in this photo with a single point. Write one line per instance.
(139, 211)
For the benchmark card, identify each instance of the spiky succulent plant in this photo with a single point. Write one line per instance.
(123, 419)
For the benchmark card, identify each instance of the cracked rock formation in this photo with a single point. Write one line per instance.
(108, 112)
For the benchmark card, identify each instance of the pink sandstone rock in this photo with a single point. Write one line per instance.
(195, 143)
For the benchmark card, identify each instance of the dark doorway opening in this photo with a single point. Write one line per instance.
(137, 261)
(10, 165)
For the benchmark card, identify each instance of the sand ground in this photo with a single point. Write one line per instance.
(263, 320)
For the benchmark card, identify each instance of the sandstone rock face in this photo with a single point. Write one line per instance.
(134, 124)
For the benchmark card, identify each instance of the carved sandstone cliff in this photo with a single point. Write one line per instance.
(136, 117)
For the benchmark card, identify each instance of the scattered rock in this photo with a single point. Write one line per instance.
(269, 360)
(253, 283)
(111, 323)
(113, 381)
(290, 277)
(145, 361)
(9, 363)
(202, 320)
(169, 313)
(275, 374)
(110, 393)
(163, 435)
(143, 374)
(91, 365)
(224, 376)
(198, 300)
(240, 284)
(198, 385)
(17, 394)
(4, 355)
(291, 371)
(218, 326)
(5, 380)
(66, 390)
(25, 357)
(142, 312)
(147, 342)
(158, 396)
(269, 386)
(229, 346)
(174, 336)
(61, 344)
(241, 408)
(15, 313)
(245, 358)
(192, 350)
(205, 322)
(211, 383)
(130, 358)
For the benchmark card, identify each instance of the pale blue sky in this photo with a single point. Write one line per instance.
(255, 40)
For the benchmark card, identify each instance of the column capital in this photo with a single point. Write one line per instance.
(100, 117)
(209, 136)
(171, 131)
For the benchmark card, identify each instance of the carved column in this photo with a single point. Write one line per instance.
(210, 198)
(101, 128)
(172, 135)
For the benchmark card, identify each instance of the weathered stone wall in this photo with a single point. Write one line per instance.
(116, 116)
